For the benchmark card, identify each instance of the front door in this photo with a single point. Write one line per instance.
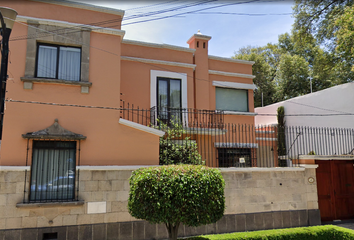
(335, 187)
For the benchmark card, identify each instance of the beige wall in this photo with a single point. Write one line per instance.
(250, 190)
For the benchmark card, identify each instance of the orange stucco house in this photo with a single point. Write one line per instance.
(66, 69)
(81, 113)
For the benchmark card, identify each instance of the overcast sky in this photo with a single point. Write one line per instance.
(231, 24)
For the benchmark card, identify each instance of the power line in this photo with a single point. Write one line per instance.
(246, 14)
(141, 61)
(115, 108)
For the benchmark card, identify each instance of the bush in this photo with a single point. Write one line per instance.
(306, 233)
(176, 149)
(175, 194)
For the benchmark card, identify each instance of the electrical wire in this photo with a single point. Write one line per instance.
(141, 61)
(115, 108)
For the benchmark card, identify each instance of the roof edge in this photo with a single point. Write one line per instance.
(85, 6)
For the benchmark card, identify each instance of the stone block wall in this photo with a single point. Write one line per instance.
(255, 199)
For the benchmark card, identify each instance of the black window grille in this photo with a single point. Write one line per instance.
(234, 157)
(53, 171)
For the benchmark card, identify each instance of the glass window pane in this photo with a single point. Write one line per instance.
(162, 99)
(229, 99)
(47, 61)
(53, 173)
(69, 63)
(175, 93)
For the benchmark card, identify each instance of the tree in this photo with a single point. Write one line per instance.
(292, 77)
(177, 194)
(345, 35)
(264, 69)
(176, 148)
(317, 19)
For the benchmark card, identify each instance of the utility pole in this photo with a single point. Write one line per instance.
(7, 20)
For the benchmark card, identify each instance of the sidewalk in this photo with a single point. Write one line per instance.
(345, 223)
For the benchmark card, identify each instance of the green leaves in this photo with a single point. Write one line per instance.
(188, 194)
(176, 148)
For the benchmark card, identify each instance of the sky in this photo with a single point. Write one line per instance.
(231, 24)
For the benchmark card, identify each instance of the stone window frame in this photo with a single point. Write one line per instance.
(70, 37)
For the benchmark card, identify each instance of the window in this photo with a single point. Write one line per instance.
(53, 171)
(169, 98)
(58, 62)
(229, 99)
(234, 157)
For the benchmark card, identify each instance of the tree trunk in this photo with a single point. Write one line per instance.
(172, 231)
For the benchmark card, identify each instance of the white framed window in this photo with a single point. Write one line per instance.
(155, 75)
(168, 94)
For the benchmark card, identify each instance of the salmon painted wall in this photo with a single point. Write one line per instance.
(135, 85)
(108, 142)
(62, 13)
(230, 66)
(201, 74)
(157, 53)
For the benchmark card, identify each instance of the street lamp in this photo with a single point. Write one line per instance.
(7, 20)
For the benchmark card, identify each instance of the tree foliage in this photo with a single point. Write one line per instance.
(177, 194)
(345, 35)
(316, 18)
(175, 148)
(317, 54)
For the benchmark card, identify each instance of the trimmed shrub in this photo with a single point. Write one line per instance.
(176, 148)
(327, 232)
(189, 194)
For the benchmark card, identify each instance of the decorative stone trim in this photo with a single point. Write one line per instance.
(266, 139)
(28, 83)
(112, 168)
(50, 204)
(161, 62)
(50, 22)
(231, 60)
(141, 127)
(55, 131)
(144, 230)
(256, 169)
(231, 74)
(84, 6)
(235, 145)
(206, 131)
(240, 113)
(327, 157)
(156, 45)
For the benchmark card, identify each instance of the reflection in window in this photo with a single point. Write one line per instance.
(169, 99)
(58, 62)
(229, 99)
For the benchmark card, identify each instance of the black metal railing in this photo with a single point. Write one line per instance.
(221, 144)
(189, 117)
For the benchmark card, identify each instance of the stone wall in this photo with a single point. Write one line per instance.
(255, 199)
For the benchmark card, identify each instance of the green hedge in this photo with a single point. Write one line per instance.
(192, 195)
(306, 233)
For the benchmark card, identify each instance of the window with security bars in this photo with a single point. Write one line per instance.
(58, 62)
(234, 157)
(53, 171)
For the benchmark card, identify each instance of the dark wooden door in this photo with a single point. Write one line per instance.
(335, 187)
